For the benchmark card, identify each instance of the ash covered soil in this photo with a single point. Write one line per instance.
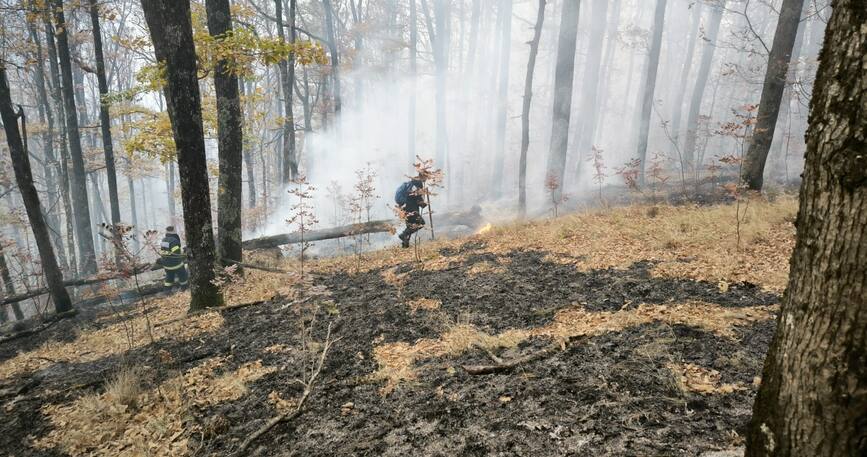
(608, 393)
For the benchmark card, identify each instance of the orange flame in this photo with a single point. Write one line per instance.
(487, 228)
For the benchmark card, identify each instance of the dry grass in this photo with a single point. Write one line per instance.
(105, 424)
(134, 330)
(397, 360)
(693, 378)
(689, 242)
(427, 304)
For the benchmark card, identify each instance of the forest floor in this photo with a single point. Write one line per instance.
(643, 328)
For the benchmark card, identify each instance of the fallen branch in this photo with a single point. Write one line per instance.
(49, 322)
(289, 415)
(502, 366)
(75, 282)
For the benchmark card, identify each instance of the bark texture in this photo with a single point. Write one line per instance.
(172, 35)
(78, 188)
(229, 140)
(24, 179)
(813, 398)
(564, 73)
(772, 93)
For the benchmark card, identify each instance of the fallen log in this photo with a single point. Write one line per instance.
(501, 365)
(471, 218)
(74, 283)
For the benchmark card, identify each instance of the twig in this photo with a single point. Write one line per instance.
(289, 415)
(502, 366)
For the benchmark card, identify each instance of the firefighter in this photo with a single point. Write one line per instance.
(173, 260)
(410, 200)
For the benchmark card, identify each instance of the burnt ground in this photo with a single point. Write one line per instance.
(610, 394)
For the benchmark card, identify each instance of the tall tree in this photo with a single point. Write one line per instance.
(677, 105)
(104, 117)
(813, 396)
(24, 179)
(80, 206)
(525, 108)
(753, 170)
(171, 31)
(287, 80)
(650, 85)
(439, 39)
(413, 71)
(331, 36)
(709, 47)
(57, 96)
(230, 139)
(504, 55)
(564, 73)
(590, 91)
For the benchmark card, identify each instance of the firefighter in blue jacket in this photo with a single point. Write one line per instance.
(173, 260)
(410, 200)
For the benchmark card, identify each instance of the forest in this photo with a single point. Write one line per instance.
(433, 227)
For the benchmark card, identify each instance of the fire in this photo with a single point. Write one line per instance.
(487, 228)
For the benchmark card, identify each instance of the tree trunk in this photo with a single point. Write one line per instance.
(248, 155)
(133, 214)
(753, 169)
(331, 36)
(52, 168)
(289, 169)
(24, 179)
(413, 72)
(504, 55)
(813, 397)
(440, 40)
(170, 190)
(54, 72)
(525, 109)
(590, 94)
(610, 45)
(563, 75)
(230, 140)
(709, 47)
(677, 106)
(650, 86)
(172, 35)
(104, 117)
(81, 209)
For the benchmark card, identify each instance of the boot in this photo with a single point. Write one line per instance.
(404, 240)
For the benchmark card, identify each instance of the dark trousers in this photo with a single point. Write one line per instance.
(414, 223)
(178, 276)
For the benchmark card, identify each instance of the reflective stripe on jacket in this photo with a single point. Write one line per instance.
(171, 256)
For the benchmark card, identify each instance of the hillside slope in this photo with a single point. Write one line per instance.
(632, 331)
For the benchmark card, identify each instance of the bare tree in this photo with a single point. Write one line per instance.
(772, 93)
(525, 109)
(24, 179)
(650, 85)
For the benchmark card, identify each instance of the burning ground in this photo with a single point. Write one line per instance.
(632, 331)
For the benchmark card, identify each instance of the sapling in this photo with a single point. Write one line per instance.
(630, 173)
(432, 178)
(356, 209)
(365, 190)
(657, 174)
(301, 213)
(598, 168)
(741, 129)
(552, 185)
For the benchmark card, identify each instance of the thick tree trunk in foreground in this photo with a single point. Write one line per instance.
(230, 141)
(172, 36)
(563, 75)
(716, 15)
(24, 179)
(525, 109)
(813, 397)
(650, 86)
(772, 94)
(81, 208)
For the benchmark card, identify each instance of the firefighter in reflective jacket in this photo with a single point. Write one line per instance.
(173, 260)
